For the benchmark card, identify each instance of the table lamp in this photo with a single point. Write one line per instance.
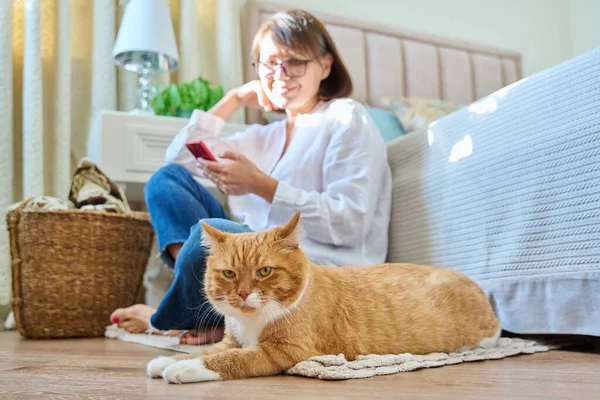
(146, 44)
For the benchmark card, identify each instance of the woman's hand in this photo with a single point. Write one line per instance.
(252, 95)
(238, 177)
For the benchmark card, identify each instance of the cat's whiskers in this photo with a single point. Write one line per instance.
(208, 313)
(198, 307)
(286, 310)
(223, 307)
(290, 316)
(267, 314)
(275, 313)
(196, 277)
(201, 313)
(228, 311)
(282, 313)
(214, 316)
(215, 325)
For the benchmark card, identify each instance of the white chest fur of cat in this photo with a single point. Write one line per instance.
(246, 331)
(281, 309)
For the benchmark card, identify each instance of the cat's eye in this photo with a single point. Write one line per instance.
(228, 273)
(264, 271)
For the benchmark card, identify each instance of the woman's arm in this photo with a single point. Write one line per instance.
(250, 94)
(228, 105)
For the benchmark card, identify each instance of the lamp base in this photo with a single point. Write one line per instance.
(147, 87)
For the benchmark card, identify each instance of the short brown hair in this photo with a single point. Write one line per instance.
(301, 34)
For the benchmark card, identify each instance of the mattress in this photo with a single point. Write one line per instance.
(507, 191)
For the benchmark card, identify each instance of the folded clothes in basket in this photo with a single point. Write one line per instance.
(44, 203)
(91, 189)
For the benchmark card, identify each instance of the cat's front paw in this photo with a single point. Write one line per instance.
(187, 371)
(157, 366)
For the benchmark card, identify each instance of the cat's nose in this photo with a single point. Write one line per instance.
(243, 295)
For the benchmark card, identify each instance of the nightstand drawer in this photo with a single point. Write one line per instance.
(145, 147)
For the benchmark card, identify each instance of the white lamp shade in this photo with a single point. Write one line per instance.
(146, 38)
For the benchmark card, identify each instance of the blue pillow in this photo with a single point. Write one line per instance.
(386, 122)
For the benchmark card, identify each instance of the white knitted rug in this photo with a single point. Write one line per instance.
(336, 367)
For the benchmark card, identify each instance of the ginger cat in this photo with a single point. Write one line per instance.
(281, 309)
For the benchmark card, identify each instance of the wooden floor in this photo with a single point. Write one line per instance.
(104, 368)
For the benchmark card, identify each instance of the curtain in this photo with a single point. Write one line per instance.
(56, 74)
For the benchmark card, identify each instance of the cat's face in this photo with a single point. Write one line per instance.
(255, 273)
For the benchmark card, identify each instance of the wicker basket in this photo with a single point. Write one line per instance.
(71, 268)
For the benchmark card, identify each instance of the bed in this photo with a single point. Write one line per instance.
(505, 187)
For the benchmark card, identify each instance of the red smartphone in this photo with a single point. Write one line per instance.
(200, 150)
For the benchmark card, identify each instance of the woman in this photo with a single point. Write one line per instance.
(326, 159)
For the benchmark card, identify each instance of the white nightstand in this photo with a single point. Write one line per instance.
(130, 147)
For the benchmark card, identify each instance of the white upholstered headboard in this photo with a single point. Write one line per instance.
(393, 62)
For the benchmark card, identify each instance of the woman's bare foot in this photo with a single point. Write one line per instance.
(207, 336)
(134, 319)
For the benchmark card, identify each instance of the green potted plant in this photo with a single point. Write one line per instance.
(180, 100)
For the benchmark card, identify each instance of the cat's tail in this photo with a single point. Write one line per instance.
(490, 342)
(486, 343)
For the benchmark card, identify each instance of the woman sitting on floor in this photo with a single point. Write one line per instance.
(326, 159)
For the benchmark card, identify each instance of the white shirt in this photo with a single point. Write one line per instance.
(335, 171)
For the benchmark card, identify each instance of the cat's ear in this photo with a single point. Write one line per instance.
(212, 237)
(290, 232)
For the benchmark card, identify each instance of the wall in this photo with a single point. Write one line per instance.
(585, 15)
(538, 29)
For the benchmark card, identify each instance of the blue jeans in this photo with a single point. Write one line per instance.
(176, 203)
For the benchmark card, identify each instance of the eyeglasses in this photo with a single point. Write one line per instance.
(292, 68)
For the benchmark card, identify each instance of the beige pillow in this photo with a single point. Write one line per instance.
(405, 159)
(415, 113)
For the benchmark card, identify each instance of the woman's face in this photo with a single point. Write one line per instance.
(290, 83)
